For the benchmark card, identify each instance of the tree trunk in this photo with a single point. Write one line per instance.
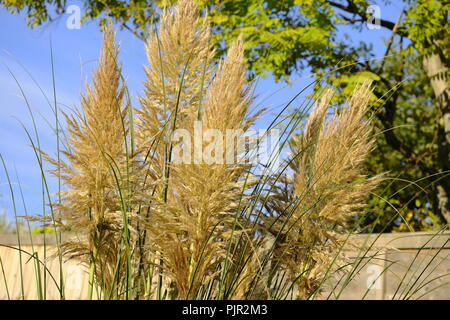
(436, 69)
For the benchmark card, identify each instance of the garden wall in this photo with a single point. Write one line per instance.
(384, 266)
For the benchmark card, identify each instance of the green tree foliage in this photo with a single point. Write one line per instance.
(286, 37)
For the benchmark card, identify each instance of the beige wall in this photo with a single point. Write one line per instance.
(401, 266)
(423, 257)
(74, 274)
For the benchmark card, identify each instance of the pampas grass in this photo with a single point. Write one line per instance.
(96, 162)
(311, 208)
(151, 226)
(193, 214)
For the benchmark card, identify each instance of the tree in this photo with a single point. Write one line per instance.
(291, 36)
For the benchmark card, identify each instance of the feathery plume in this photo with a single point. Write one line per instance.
(193, 217)
(328, 189)
(91, 207)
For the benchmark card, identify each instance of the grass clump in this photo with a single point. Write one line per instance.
(155, 215)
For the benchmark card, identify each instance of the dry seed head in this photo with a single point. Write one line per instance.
(90, 207)
(190, 227)
(327, 190)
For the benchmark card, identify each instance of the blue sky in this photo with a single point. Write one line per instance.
(75, 53)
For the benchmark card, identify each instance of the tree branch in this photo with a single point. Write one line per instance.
(352, 8)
